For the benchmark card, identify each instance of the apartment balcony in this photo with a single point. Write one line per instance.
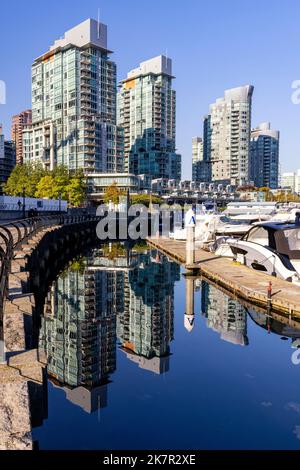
(85, 72)
(90, 153)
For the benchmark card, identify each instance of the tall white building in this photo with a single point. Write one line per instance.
(230, 127)
(74, 104)
(197, 158)
(147, 112)
(291, 180)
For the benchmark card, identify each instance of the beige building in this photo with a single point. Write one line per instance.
(291, 180)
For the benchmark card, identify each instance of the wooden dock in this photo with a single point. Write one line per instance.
(236, 279)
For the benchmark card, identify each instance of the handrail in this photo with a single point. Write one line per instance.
(13, 234)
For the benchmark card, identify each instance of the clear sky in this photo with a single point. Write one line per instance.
(214, 45)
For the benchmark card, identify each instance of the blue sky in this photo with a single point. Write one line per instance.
(214, 46)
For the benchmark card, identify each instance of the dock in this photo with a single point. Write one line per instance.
(238, 280)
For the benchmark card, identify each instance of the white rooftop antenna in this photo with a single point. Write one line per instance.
(98, 23)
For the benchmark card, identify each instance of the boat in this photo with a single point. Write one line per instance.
(210, 226)
(270, 247)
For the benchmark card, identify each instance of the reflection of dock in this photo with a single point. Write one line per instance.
(236, 279)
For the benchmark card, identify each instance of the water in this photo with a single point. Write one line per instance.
(126, 374)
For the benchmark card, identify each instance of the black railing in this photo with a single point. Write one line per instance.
(13, 234)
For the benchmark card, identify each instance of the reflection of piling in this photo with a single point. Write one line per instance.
(189, 316)
(190, 245)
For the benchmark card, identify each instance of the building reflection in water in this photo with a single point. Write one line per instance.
(146, 327)
(111, 289)
(224, 315)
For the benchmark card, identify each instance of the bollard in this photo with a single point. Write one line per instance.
(189, 316)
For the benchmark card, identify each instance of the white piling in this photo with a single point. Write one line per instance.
(190, 224)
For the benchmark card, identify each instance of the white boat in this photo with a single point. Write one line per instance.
(211, 225)
(270, 247)
(285, 215)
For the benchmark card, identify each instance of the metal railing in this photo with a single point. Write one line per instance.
(13, 234)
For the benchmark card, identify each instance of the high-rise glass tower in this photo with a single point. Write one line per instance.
(229, 136)
(264, 162)
(147, 112)
(74, 104)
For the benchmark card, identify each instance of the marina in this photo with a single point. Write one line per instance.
(237, 279)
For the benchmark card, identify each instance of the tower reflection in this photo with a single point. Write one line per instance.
(110, 292)
(224, 315)
(146, 326)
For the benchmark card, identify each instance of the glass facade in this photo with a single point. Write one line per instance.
(147, 112)
(264, 161)
(74, 88)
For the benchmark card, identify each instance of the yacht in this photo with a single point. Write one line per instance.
(270, 247)
(209, 226)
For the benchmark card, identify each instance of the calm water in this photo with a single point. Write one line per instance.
(125, 373)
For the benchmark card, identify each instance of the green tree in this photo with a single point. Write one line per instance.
(61, 179)
(45, 187)
(76, 189)
(24, 178)
(145, 199)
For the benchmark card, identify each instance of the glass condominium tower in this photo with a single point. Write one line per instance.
(74, 104)
(264, 168)
(229, 136)
(147, 112)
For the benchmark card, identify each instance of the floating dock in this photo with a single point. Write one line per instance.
(236, 279)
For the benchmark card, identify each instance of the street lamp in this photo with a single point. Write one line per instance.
(24, 203)
(59, 203)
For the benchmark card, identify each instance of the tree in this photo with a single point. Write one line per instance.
(61, 179)
(113, 194)
(45, 187)
(24, 178)
(76, 189)
(145, 199)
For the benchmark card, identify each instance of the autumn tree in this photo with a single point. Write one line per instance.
(113, 194)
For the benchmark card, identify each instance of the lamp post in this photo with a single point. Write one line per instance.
(59, 203)
(24, 203)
